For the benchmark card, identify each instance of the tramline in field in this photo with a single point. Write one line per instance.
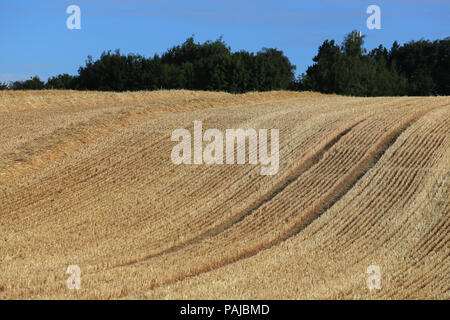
(86, 179)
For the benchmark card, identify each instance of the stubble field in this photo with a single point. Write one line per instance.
(86, 179)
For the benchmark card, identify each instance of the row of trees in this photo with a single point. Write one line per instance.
(207, 66)
(416, 68)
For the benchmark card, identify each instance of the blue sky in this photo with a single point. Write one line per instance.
(35, 40)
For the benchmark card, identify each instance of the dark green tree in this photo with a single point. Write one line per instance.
(62, 81)
(34, 83)
(349, 70)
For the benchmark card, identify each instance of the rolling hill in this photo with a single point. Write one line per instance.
(86, 179)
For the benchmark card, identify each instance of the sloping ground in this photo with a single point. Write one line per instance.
(87, 179)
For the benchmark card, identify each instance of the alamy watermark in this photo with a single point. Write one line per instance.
(74, 281)
(74, 20)
(374, 20)
(374, 280)
(188, 151)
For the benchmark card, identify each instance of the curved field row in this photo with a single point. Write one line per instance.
(111, 201)
(277, 219)
(91, 184)
(43, 220)
(396, 216)
(42, 212)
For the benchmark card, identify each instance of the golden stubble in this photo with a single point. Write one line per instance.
(86, 179)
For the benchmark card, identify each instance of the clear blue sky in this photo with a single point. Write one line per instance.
(35, 39)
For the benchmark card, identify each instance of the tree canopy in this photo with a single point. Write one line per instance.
(415, 68)
(207, 66)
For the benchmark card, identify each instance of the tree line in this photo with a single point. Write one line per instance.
(415, 68)
(418, 68)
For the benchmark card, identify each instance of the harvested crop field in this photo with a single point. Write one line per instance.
(86, 179)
